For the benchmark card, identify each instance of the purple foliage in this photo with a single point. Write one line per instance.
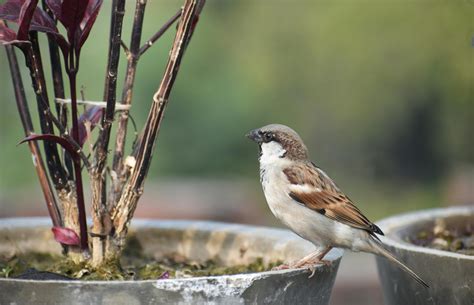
(41, 22)
(30, 17)
(72, 13)
(65, 236)
(24, 18)
(58, 140)
(88, 21)
(77, 16)
(91, 115)
(7, 35)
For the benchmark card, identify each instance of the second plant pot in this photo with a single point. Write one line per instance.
(449, 274)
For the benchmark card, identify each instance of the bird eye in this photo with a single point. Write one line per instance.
(268, 136)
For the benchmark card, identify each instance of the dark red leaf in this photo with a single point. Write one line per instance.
(89, 19)
(66, 236)
(10, 10)
(58, 140)
(41, 21)
(7, 35)
(55, 7)
(91, 9)
(63, 44)
(72, 13)
(92, 115)
(24, 18)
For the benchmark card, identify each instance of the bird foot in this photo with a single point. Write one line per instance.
(309, 264)
(312, 264)
(281, 267)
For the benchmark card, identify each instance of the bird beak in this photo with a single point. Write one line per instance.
(254, 135)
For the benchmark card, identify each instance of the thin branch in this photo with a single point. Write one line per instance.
(125, 48)
(25, 117)
(77, 162)
(33, 60)
(98, 182)
(123, 212)
(57, 74)
(33, 56)
(159, 33)
(127, 93)
(101, 224)
(65, 134)
(58, 84)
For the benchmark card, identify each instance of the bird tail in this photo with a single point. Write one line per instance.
(379, 248)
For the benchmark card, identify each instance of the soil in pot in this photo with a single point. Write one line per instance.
(133, 265)
(440, 235)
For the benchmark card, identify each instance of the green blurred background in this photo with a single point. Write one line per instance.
(381, 91)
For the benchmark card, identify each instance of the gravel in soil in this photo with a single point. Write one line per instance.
(458, 239)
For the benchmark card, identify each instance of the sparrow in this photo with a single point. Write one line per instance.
(305, 199)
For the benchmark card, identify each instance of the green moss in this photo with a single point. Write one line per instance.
(139, 268)
(133, 265)
(154, 270)
(18, 264)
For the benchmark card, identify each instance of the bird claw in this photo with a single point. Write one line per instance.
(325, 262)
(281, 267)
(311, 266)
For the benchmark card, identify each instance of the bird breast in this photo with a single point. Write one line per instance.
(308, 224)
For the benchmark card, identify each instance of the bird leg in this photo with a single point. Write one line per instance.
(309, 261)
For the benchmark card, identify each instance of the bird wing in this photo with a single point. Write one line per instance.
(311, 187)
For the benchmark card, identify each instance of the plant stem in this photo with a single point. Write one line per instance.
(127, 94)
(25, 117)
(99, 181)
(65, 134)
(65, 190)
(58, 85)
(72, 72)
(123, 212)
(56, 70)
(33, 59)
(159, 33)
(45, 112)
(101, 224)
(118, 7)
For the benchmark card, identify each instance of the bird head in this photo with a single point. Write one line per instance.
(280, 141)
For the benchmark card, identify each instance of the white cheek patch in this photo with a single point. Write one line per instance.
(271, 152)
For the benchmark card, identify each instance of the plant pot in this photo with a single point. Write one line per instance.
(450, 275)
(230, 244)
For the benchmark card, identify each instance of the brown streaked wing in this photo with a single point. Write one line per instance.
(328, 200)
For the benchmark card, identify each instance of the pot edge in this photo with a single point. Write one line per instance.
(29, 222)
(394, 223)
